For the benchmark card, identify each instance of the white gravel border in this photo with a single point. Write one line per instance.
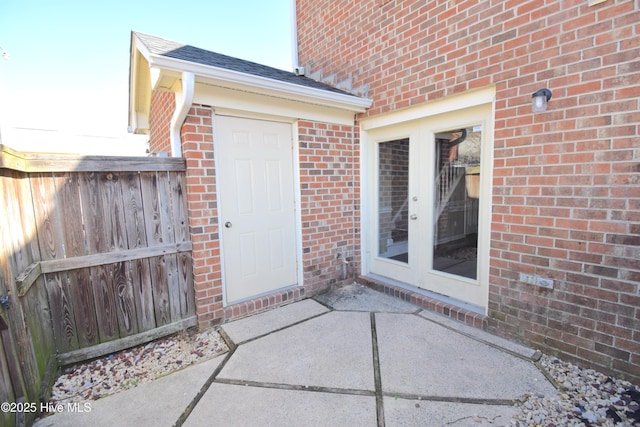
(128, 368)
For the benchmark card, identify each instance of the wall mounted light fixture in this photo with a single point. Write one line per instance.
(540, 99)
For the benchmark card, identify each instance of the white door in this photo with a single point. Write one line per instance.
(254, 160)
(429, 224)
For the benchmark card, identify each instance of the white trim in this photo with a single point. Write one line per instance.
(247, 102)
(184, 99)
(216, 157)
(472, 98)
(221, 111)
(297, 194)
(366, 176)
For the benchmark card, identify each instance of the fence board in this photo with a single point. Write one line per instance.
(134, 214)
(130, 341)
(34, 305)
(187, 291)
(112, 212)
(65, 264)
(92, 213)
(6, 389)
(81, 294)
(157, 265)
(61, 311)
(51, 243)
(181, 229)
(34, 319)
(116, 240)
(168, 235)
(103, 294)
(21, 343)
(125, 304)
(101, 279)
(160, 292)
(47, 162)
(140, 277)
(138, 272)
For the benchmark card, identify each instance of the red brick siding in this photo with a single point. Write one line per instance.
(163, 105)
(566, 193)
(197, 149)
(330, 210)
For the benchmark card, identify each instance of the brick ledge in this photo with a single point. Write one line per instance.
(451, 311)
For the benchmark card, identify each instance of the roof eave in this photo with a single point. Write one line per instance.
(139, 87)
(257, 84)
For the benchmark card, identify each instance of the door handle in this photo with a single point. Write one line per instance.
(413, 216)
(228, 224)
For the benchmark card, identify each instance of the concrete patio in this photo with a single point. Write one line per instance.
(350, 357)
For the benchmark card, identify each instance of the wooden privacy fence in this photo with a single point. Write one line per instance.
(96, 257)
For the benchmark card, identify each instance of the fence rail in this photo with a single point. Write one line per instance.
(96, 257)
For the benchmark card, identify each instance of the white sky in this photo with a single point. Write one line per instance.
(68, 68)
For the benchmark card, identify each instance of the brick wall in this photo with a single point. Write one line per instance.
(197, 149)
(566, 190)
(330, 199)
(163, 105)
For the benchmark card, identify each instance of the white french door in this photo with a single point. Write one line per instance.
(429, 200)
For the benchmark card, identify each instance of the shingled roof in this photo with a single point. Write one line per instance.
(170, 49)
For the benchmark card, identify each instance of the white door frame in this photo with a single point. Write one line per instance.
(296, 191)
(480, 97)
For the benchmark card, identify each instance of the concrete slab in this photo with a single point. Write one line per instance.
(421, 358)
(333, 350)
(157, 403)
(356, 297)
(481, 335)
(235, 405)
(401, 412)
(269, 321)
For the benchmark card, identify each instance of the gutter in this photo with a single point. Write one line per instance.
(184, 100)
(262, 85)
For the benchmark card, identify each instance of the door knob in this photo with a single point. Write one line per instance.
(228, 224)
(413, 216)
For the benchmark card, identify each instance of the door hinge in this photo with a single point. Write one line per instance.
(5, 301)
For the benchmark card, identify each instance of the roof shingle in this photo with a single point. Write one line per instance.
(170, 49)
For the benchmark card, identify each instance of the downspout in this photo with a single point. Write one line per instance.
(184, 99)
(294, 35)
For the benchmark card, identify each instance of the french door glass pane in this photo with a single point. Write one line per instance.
(393, 197)
(456, 201)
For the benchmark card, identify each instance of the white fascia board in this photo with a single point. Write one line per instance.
(261, 85)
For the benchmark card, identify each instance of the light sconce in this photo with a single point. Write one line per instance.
(540, 99)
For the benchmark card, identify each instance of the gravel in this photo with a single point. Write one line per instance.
(129, 368)
(585, 398)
